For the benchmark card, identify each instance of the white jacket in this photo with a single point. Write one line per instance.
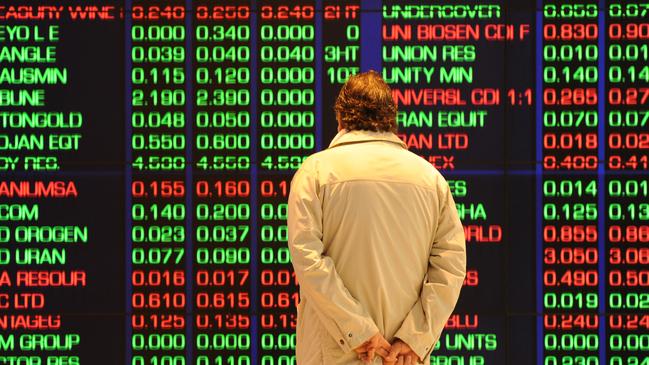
(376, 244)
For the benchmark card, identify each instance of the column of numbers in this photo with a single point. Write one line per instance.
(222, 220)
(627, 214)
(286, 136)
(158, 299)
(570, 189)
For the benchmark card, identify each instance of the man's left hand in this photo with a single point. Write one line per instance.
(368, 349)
(401, 354)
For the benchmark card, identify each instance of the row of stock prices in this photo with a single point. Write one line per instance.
(147, 149)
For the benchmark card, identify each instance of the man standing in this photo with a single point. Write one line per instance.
(375, 240)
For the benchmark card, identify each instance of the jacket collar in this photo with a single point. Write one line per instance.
(358, 136)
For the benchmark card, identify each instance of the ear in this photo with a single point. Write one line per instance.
(340, 127)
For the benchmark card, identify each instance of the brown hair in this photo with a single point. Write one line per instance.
(365, 103)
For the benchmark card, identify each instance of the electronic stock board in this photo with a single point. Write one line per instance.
(147, 149)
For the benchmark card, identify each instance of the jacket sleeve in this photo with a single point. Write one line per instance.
(344, 317)
(423, 325)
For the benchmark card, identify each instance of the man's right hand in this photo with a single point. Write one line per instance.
(400, 354)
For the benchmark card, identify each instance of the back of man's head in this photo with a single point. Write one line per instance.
(365, 103)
